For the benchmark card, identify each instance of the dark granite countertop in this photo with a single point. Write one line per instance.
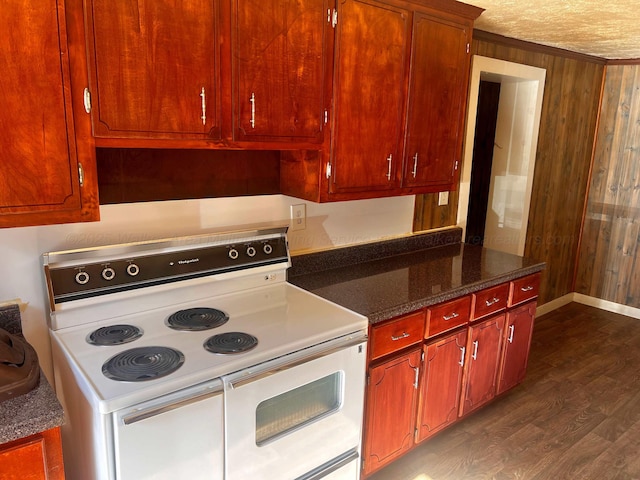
(387, 279)
(33, 412)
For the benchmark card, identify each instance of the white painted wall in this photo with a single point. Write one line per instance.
(328, 225)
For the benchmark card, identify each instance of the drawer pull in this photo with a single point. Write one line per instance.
(449, 317)
(527, 288)
(511, 329)
(493, 301)
(404, 335)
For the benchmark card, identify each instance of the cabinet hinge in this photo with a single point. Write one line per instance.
(326, 117)
(468, 48)
(87, 100)
(328, 169)
(334, 18)
(422, 358)
(455, 166)
(80, 174)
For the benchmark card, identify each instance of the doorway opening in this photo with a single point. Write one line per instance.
(505, 103)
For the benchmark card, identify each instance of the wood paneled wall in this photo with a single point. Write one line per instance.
(565, 143)
(609, 261)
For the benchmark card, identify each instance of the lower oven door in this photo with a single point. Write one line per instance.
(177, 436)
(297, 417)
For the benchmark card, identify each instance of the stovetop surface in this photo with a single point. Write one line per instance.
(283, 317)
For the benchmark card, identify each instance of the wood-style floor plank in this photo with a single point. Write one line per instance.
(576, 416)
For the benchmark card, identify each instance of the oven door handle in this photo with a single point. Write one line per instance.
(328, 468)
(146, 413)
(269, 368)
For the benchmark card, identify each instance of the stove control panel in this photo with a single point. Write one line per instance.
(93, 278)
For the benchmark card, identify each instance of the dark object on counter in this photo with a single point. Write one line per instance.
(19, 369)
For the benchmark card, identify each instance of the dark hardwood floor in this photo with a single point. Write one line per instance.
(576, 415)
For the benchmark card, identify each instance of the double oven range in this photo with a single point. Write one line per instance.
(193, 358)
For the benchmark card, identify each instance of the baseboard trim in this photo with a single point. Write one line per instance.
(632, 312)
(607, 305)
(554, 304)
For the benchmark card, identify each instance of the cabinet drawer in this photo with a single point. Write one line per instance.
(524, 289)
(490, 300)
(396, 334)
(447, 316)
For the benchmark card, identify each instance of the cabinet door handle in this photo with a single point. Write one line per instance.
(404, 335)
(493, 301)
(511, 330)
(449, 317)
(389, 160)
(204, 107)
(526, 289)
(463, 350)
(252, 100)
(415, 381)
(415, 165)
(475, 350)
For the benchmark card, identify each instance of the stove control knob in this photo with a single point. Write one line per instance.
(108, 273)
(251, 251)
(82, 277)
(233, 253)
(133, 269)
(267, 248)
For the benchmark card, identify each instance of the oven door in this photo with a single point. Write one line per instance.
(299, 416)
(177, 436)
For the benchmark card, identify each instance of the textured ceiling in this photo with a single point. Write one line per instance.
(602, 28)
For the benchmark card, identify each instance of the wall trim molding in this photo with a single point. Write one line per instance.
(626, 310)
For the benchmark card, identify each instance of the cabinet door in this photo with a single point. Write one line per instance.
(440, 384)
(279, 69)
(37, 457)
(437, 97)
(483, 359)
(39, 155)
(390, 415)
(517, 342)
(154, 68)
(369, 96)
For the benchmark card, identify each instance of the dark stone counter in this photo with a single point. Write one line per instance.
(386, 279)
(33, 412)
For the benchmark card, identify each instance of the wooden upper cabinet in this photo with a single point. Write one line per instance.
(279, 63)
(40, 156)
(372, 44)
(437, 100)
(154, 68)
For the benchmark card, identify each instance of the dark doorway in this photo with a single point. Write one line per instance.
(485, 134)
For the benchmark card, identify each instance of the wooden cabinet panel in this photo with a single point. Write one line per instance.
(37, 457)
(483, 360)
(524, 289)
(517, 342)
(447, 316)
(369, 95)
(40, 156)
(489, 300)
(154, 68)
(440, 384)
(395, 335)
(437, 100)
(390, 414)
(279, 61)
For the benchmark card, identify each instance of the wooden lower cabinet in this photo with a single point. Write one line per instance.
(483, 360)
(390, 415)
(440, 384)
(517, 343)
(37, 457)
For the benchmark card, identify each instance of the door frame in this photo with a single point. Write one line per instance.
(495, 70)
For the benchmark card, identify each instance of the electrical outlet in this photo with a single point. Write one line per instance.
(443, 198)
(298, 217)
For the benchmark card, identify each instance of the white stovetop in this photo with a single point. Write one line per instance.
(283, 317)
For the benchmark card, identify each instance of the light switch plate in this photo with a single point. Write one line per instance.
(443, 198)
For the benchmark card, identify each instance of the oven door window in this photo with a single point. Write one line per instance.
(297, 408)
